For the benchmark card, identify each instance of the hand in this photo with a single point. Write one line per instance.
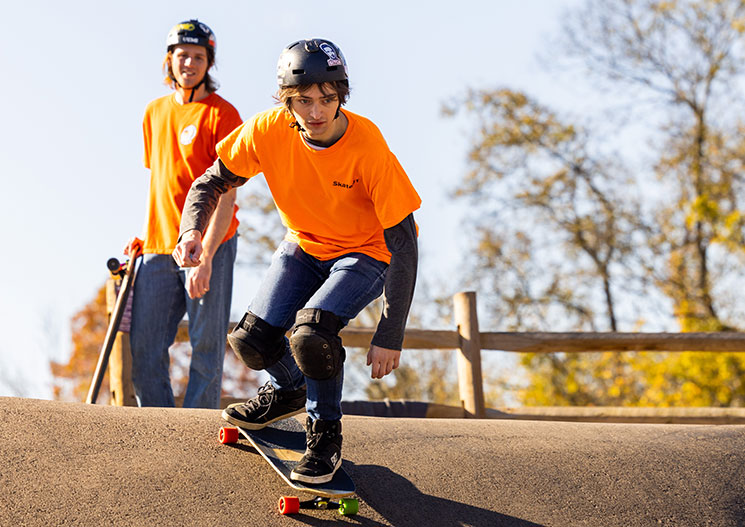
(133, 247)
(198, 282)
(189, 249)
(383, 361)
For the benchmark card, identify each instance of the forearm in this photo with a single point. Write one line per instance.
(219, 224)
(204, 195)
(399, 284)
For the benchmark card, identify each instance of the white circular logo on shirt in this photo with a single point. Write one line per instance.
(188, 134)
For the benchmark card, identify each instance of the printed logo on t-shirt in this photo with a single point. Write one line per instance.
(346, 185)
(188, 134)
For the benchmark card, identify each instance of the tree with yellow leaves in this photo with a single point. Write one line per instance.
(569, 236)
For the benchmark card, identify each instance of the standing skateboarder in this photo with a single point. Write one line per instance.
(348, 208)
(181, 131)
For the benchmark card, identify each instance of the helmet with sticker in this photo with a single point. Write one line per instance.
(311, 61)
(191, 32)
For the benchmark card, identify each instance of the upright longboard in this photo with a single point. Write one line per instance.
(126, 272)
(282, 444)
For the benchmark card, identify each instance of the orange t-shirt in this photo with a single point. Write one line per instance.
(180, 141)
(333, 201)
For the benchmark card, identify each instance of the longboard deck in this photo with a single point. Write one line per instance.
(282, 444)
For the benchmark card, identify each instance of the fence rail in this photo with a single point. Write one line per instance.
(551, 342)
(468, 342)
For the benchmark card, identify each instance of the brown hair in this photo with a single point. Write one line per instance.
(209, 83)
(285, 94)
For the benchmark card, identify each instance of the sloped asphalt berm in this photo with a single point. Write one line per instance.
(76, 464)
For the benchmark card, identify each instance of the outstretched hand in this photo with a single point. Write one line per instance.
(382, 360)
(188, 251)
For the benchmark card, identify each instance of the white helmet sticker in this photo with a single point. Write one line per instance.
(333, 58)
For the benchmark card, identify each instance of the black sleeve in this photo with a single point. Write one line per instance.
(400, 280)
(204, 194)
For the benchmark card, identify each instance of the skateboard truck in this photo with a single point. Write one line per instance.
(292, 505)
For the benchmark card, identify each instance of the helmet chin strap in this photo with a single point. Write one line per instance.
(195, 88)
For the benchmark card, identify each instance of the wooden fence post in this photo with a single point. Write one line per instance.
(469, 357)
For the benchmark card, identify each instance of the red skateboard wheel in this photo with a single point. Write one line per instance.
(228, 434)
(289, 505)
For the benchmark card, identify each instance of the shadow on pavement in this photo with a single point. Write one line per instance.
(401, 503)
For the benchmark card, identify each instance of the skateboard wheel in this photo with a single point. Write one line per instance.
(289, 505)
(113, 265)
(228, 434)
(348, 506)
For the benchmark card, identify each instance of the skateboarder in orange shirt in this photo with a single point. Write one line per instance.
(348, 207)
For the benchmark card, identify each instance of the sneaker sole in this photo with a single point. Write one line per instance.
(315, 480)
(258, 426)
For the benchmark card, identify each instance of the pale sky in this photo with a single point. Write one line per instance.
(77, 77)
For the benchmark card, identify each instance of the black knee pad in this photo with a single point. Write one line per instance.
(256, 342)
(316, 345)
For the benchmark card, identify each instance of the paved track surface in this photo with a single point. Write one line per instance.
(76, 464)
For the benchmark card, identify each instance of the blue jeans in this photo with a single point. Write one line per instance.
(296, 280)
(160, 302)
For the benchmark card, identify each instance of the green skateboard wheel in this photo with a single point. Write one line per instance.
(348, 506)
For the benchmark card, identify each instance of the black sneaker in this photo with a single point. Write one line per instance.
(322, 453)
(268, 406)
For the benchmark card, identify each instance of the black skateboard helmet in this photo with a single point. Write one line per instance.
(311, 61)
(191, 32)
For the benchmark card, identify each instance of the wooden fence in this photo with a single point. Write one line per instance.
(468, 342)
